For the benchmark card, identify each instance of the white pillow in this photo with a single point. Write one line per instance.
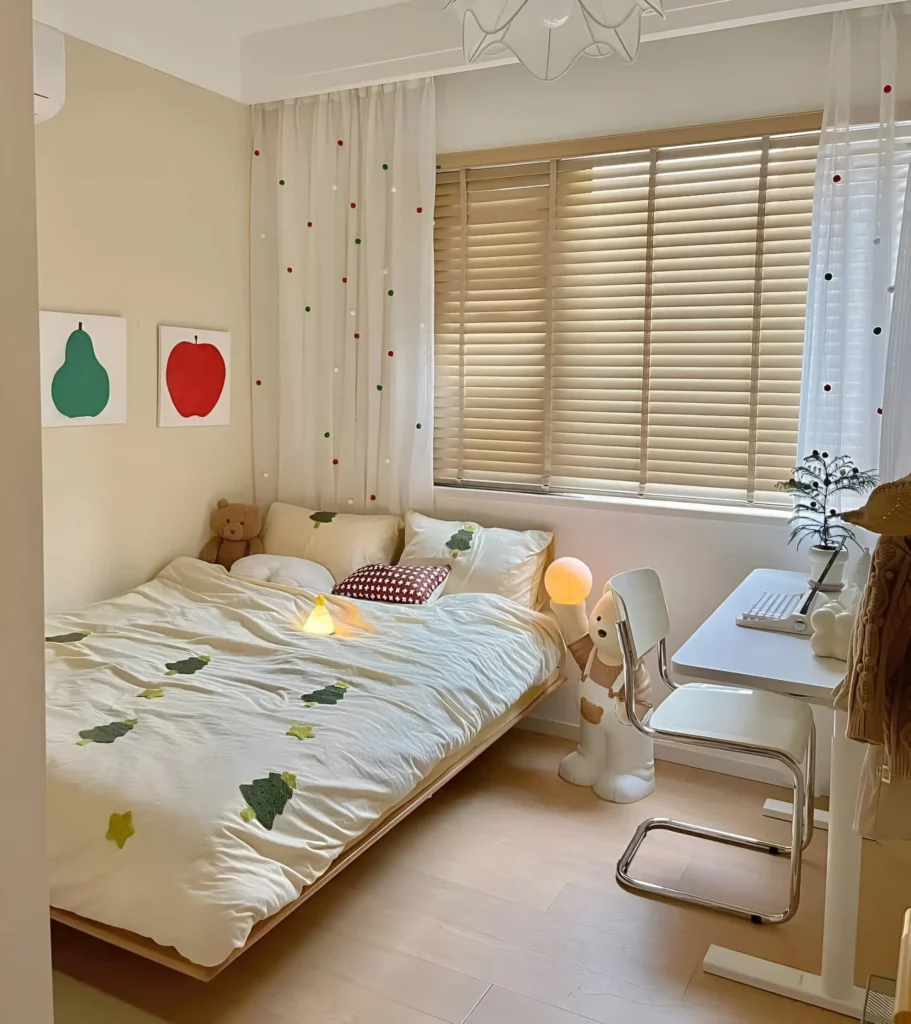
(340, 542)
(483, 560)
(289, 572)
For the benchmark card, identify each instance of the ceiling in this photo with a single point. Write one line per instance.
(260, 50)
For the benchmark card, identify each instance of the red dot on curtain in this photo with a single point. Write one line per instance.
(390, 353)
(836, 178)
(887, 89)
(335, 462)
(341, 142)
(256, 152)
(290, 270)
(259, 383)
(420, 209)
(354, 206)
(309, 223)
(879, 412)
(344, 280)
(828, 387)
(373, 497)
(357, 337)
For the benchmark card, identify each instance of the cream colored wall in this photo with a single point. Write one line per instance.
(25, 968)
(143, 212)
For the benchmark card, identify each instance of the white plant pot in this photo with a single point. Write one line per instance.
(819, 559)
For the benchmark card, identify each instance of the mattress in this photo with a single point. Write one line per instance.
(207, 759)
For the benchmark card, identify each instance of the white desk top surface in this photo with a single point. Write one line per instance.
(721, 651)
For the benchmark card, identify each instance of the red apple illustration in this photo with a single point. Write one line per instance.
(196, 377)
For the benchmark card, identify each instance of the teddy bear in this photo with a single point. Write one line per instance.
(237, 529)
(614, 758)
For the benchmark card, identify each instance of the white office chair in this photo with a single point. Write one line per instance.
(721, 718)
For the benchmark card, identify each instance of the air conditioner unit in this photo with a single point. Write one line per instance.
(50, 71)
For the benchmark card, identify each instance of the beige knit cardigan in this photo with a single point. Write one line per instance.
(876, 691)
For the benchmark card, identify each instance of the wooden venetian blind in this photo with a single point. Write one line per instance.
(625, 323)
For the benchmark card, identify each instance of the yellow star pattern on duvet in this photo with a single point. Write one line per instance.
(120, 829)
(301, 732)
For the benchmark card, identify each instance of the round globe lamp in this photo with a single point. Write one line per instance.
(568, 581)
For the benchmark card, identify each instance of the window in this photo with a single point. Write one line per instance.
(630, 322)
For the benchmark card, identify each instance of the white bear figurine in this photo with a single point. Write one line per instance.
(614, 758)
(833, 624)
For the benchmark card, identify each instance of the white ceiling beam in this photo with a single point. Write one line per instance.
(417, 38)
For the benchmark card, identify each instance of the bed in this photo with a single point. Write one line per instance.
(211, 766)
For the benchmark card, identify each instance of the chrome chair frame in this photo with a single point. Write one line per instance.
(804, 788)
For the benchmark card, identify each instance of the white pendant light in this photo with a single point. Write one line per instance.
(547, 36)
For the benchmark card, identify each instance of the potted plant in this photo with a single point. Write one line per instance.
(815, 486)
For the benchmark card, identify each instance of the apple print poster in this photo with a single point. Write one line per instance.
(194, 387)
(83, 369)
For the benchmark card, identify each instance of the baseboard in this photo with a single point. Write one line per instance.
(547, 726)
(741, 767)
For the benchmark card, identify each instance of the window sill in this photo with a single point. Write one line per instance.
(456, 498)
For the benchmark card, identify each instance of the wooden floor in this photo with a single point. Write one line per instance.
(496, 904)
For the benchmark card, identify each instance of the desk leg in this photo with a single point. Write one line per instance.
(834, 989)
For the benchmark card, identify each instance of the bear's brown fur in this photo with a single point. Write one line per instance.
(237, 528)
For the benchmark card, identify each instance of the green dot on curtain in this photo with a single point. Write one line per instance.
(281, 181)
(385, 167)
(419, 426)
(307, 308)
(379, 387)
(391, 292)
(357, 241)
(326, 434)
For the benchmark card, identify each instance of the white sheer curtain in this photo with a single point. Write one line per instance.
(342, 298)
(895, 457)
(860, 189)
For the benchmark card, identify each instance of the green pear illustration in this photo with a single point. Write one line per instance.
(81, 387)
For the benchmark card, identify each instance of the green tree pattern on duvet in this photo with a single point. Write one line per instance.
(322, 517)
(66, 638)
(330, 695)
(106, 733)
(267, 798)
(187, 667)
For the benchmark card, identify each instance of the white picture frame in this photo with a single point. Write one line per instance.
(83, 369)
(194, 377)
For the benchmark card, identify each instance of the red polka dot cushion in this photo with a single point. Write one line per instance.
(395, 584)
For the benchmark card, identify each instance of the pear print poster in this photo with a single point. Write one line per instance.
(83, 369)
(194, 385)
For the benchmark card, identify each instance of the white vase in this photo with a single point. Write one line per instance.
(819, 559)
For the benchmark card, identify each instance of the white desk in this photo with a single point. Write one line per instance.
(722, 651)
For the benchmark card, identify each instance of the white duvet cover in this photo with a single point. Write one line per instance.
(207, 759)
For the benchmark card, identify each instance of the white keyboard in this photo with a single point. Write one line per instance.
(779, 612)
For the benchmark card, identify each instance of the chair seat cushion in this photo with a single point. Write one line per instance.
(755, 717)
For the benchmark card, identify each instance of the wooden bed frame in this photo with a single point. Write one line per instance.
(169, 957)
